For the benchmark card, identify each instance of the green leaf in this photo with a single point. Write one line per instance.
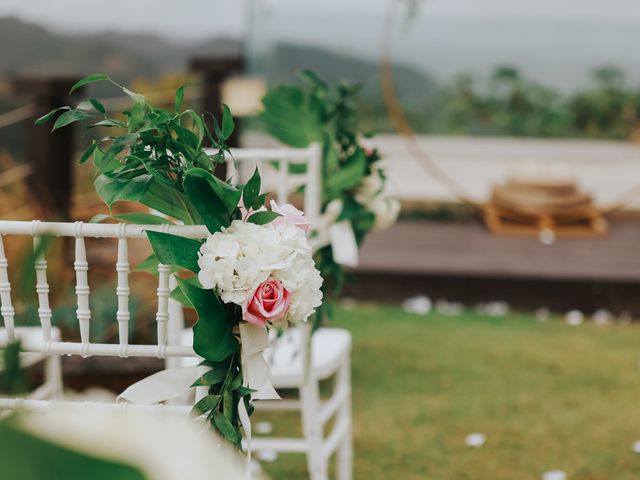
(212, 377)
(179, 98)
(149, 265)
(96, 77)
(202, 191)
(226, 428)
(12, 377)
(349, 175)
(251, 190)
(49, 116)
(187, 136)
(133, 217)
(212, 334)
(288, 116)
(97, 105)
(205, 405)
(228, 125)
(175, 250)
(70, 117)
(229, 194)
(88, 152)
(168, 200)
(262, 218)
(26, 456)
(108, 122)
(112, 189)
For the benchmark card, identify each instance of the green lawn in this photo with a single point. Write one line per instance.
(547, 396)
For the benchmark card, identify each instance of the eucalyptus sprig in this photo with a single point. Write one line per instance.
(157, 158)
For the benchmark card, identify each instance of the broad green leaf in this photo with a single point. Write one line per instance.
(26, 456)
(88, 152)
(262, 218)
(251, 190)
(139, 218)
(212, 377)
(49, 116)
(175, 250)
(213, 338)
(96, 77)
(228, 125)
(112, 189)
(187, 136)
(70, 117)
(179, 98)
(199, 187)
(226, 428)
(288, 117)
(205, 405)
(229, 194)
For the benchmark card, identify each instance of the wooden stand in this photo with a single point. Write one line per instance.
(506, 222)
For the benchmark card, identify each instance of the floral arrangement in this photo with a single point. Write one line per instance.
(254, 271)
(353, 181)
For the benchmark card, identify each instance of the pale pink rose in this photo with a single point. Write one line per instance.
(291, 215)
(270, 302)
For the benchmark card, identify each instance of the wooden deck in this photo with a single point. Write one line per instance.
(469, 250)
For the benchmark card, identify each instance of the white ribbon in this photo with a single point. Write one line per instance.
(255, 370)
(162, 386)
(328, 231)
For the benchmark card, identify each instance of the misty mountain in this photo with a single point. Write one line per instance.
(30, 48)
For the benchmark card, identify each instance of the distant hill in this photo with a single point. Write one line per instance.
(30, 48)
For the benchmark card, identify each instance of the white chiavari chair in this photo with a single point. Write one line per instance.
(329, 349)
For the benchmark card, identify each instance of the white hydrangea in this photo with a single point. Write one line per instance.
(371, 195)
(235, 261)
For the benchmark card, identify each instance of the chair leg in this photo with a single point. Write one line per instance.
(344, 456)
(317, 464)
(53, 374)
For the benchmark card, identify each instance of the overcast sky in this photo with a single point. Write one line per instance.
(198, 19)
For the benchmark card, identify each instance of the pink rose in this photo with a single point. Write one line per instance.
(270, 302)
(291, 215)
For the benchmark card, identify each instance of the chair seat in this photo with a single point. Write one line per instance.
(329, 348)
(32, 336)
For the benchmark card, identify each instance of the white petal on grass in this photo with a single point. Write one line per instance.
(475, 440)
(635, 447)
(602, 317)
(542, 314)
(348, 303)
(574, 318)
(419, 305)
(554, 475)
(497, 308)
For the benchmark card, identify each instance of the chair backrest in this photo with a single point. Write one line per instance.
(277, 162)
(80, 231)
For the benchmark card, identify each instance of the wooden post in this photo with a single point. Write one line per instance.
(50, 153)
(214, 70)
